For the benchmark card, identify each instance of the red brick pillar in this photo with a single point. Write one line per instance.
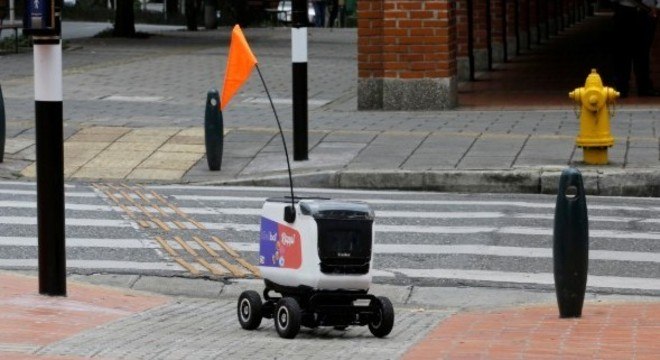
(406, 54)
(370, 54)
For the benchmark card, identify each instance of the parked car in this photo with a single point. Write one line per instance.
(284, 11)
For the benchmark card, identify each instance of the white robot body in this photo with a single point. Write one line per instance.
(327, 247)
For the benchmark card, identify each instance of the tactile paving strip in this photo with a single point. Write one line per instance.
(186, 240)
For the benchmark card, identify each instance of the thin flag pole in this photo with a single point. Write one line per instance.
(286, 152)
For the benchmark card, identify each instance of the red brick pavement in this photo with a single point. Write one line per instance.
(605, 331)
(29, 320)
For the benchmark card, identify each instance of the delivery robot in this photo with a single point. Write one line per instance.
(315, 257)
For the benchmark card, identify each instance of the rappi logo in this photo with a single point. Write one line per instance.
(279, 245)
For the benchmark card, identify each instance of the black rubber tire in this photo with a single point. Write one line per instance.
(287, 317)
(249, 310)
(383, 322)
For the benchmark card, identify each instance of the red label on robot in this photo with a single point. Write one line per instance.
(279, 245)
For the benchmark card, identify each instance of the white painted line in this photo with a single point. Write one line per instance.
(227, 226)
(141, 99)
(439, 215)
(85, 243)
(529, 278)
(441, 230)
(483, 250)
(522, 204)
(68, 206)
(30, 184)
(34, 192)
(29, 220)
(379, 213)
(97, 264)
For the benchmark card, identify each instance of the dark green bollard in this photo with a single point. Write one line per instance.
(213, 130)
(3, 127)
(570, 250)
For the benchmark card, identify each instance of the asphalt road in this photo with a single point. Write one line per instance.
(424, 239)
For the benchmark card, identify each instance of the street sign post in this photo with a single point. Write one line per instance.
(299, 20)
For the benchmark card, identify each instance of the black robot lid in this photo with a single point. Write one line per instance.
(337, 210)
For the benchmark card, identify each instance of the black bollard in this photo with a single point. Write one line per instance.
(213, 130)
(3, 127)
(570, 250)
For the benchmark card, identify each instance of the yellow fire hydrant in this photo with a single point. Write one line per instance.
(595, 136)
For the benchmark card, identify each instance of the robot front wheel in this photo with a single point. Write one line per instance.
(249, 310)
(383, 321)
(288, 317)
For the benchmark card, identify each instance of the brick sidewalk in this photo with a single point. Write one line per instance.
(605, 331)
(29, 321)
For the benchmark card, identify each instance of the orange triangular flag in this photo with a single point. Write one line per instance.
(240, 63)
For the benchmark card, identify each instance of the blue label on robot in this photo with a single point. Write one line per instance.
(279, 245)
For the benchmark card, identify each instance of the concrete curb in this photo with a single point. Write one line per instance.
(606, 182)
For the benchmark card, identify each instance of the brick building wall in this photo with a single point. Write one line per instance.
(406, 54)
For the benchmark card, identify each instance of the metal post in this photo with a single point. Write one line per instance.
(3, 129)
(50, 168)
(49, 146)
(470, 37)
(299, 70)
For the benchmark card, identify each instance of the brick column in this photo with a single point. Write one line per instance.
(370, 54)
(406, 54)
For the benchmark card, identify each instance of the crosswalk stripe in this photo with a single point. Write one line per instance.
(440, 230)
(82, 194)
(594, 281)
(379, 213)
(96, 264)
(522, 204)
(416, 249)
(419, 229)
(84, 243)
(68, 206)
(32, 220)
(486, 250)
